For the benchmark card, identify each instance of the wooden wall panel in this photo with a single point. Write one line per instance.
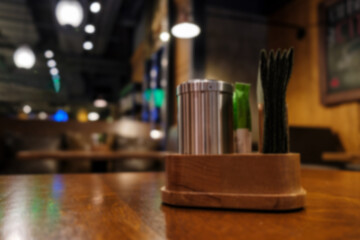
(156, 22)
(305, 108)
(183, 49)
(138, 64)
(182, 60)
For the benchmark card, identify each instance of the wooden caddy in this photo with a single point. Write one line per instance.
(238, 181)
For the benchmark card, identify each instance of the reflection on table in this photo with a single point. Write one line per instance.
(128, 206)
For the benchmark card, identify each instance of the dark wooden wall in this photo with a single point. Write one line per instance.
(305, 108)
(232, 51)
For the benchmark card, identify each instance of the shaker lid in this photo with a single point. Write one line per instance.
(204, 85)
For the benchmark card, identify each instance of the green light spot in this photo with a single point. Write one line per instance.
(147, 95)
(159, 96)
(56, 83)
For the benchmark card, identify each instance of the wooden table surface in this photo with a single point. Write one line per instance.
(89, 155)
(128, 206)
(345, 157)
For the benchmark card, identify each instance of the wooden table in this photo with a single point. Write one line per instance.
(128, 206)
(344, 157)
(99, 159)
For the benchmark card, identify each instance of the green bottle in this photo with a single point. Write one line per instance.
(242, 118)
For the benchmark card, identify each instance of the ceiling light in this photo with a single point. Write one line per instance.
(93, 116)
(54, 71)
(185, 30)
(24, 57)
(156, 134)
(42, 115)
(49, 54)
(100, 103)
(95, 7)
(51, 63)
(69, 13)
(164, 36)
(27, 109)
(88, 45)
(89, 28)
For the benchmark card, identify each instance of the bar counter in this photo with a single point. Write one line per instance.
(128, 206)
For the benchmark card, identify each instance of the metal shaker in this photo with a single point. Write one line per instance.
(205, 117)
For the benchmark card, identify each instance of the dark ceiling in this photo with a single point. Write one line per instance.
(84, 74)
(263, 7)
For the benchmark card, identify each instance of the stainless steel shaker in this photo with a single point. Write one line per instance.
(205, 117)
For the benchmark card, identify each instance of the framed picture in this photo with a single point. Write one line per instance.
(339, 51)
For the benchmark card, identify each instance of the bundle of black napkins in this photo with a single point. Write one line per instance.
(275, 72)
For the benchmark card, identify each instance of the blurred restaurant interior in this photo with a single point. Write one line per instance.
(89, 86)
(103, 78)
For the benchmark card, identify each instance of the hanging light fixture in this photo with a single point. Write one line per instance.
(185, 27)
(164, 36)
(93, 116)
(24, 57)
(156, 134)
(95, 7)
(100, 102)
(88, 45)
(69, 12)
(90, 29)
(51, 63)
(49, 54)
(54, 71)
(185, 30)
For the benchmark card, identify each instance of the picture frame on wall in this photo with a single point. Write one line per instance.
(339, 51)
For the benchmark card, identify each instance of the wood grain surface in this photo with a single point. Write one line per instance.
(348, 157)
(241, 181)
(128, 206)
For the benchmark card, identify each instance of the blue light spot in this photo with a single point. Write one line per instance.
(154, 114)
(61, 116)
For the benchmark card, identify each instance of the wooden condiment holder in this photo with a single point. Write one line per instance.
(237, 181)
